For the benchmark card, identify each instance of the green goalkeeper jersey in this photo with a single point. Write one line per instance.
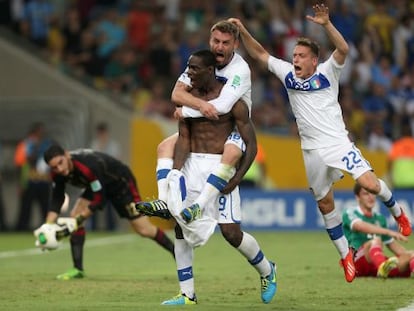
(357, 239)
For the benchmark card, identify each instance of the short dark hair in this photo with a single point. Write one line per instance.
(357, 188)
(54, 150)
(102, 126)
(208, 57)
(226, 27)
(310, 44)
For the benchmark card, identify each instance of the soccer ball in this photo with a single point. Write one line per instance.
(46, 236)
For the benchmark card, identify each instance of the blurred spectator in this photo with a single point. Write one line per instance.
(255, 177)
(16, 14)
(103, 142)
(5, 13)
(353, 115)
(401, 160)
(2, 207)
(193, 14)
(272, 115)
(171, 9)
(83, 61)
(72, 29)
(161, 54)
(409, 105)
(35, 184)
(377, 140)
(55, 43)
(161, 34)
(346, 20)
(191, 41)
(380, 26)
(121, 72)
(110, 33)
(159, 103)
(402, 34)
(138, 25)
(383, 71)
(377, 108)
(36, 19)
(397, 96)
(410, 49)
(361, 74)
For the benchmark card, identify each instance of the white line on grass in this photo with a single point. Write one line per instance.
(410, 307)
(92, 242)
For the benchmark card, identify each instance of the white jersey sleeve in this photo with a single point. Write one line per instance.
(236, 76)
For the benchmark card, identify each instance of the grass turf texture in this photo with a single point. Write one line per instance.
(126, 272)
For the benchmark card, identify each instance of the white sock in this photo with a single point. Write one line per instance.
(385, 195)
(184, 260)
(250, 249)
(164, 165)
(215, 183)
(333, 225)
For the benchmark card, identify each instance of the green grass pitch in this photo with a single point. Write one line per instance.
(126, 272)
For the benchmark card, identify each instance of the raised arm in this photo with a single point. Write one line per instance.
(253, 47)
(321, 17)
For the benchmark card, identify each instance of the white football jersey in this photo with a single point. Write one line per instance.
(236, 76)
(314, 102)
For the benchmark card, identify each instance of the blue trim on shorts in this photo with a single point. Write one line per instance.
(162, 173)
(183, 188)
(336, 232)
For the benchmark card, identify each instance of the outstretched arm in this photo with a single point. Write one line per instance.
(182, 97)
(321, 17)
(366, 227)
(253, 47)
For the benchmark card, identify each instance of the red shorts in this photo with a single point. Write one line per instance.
(364, 268)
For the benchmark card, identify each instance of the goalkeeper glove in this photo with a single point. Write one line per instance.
(70, 223)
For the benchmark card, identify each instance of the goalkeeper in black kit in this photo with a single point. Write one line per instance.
(103, 178)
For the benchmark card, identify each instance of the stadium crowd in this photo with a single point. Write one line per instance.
(136, 49)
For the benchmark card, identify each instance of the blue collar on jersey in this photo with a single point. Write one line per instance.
(221, 79)
(316, 82)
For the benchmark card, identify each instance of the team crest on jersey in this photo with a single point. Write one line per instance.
(236, 81)
(316, 82)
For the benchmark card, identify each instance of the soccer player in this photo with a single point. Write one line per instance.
(197, 160)
(327, 150)
(103, 178)
(234, 71)
(366, 231)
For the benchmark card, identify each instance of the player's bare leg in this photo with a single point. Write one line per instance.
(248, 246)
